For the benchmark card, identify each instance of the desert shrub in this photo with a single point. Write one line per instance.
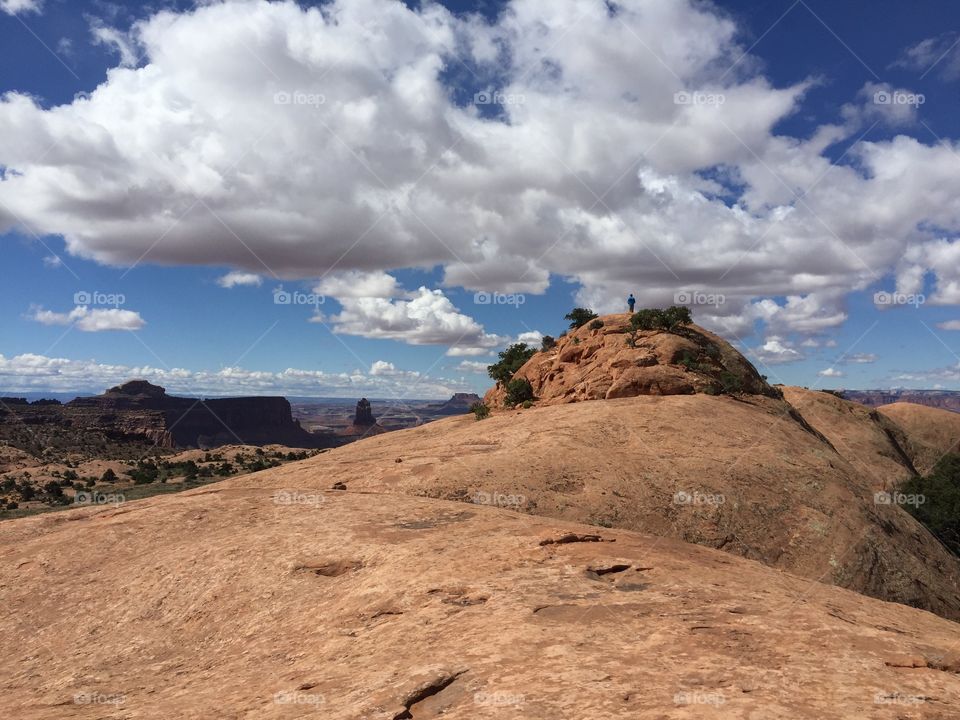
(596, 324)
(518, 391)
(576, 341)
(70, 475)
(27, 492)
(731, 383)
(579, 317)
(480, 411)
(109, 476)
(9, 484)
(527, 404)
(53, 489)
(689, 361)
(547, 343)
(511, 360)
(12, 505)
(90, 482)
(671, 319)
(940, 510)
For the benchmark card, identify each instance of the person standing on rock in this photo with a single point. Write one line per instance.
(631, 301)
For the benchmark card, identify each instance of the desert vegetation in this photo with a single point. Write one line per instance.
(940, 510)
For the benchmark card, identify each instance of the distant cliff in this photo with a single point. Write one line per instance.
(943, 399)
(140, 412)
(458, 404)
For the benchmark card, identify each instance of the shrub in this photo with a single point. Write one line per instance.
(596, 324)
(53, 489)
(480, 411)
(511, 360)
(731, 383)
(109, 476)
(579, 317)
(940, 511)
(518, 391)
(547, 343)
(527, 404)
(670, 319)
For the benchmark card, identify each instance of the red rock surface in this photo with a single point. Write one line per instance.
(226, 602)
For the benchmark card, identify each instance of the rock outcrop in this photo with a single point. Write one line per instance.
(458, 404)
(932, 432)
(364, 415)
(354, 606)
(748, 474)
(605, 360)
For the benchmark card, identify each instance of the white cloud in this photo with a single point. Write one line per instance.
(859, 358)
(52, 261)
(941, 53)
(29, 372)
(472, 366)
(532, 337)
(776, 350)
(96, 320)
(15, 7)
(233, 279)
(340, 116)
(949, 325)
(120, 42)
(356, 284)
(831, 373)
(429, 318)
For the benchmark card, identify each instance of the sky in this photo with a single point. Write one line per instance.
(370, 197)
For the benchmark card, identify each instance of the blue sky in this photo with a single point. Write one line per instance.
(166, 169)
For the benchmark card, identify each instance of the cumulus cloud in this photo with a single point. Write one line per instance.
(87, 320)
(831, 373)
(472, 366)
(776, 350)
(356, 284)
(16, 7)
(30, 372)
(324, 140)
(233, 279)
(429, 318)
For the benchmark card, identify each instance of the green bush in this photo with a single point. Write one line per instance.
(547, 343)
(109, 476)
(480, 411)
(671, 319)
(518, 391)
(940, 509)
(511, 360)
(731, 383)
(596, 324)
(527, 404)
(579, 317)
